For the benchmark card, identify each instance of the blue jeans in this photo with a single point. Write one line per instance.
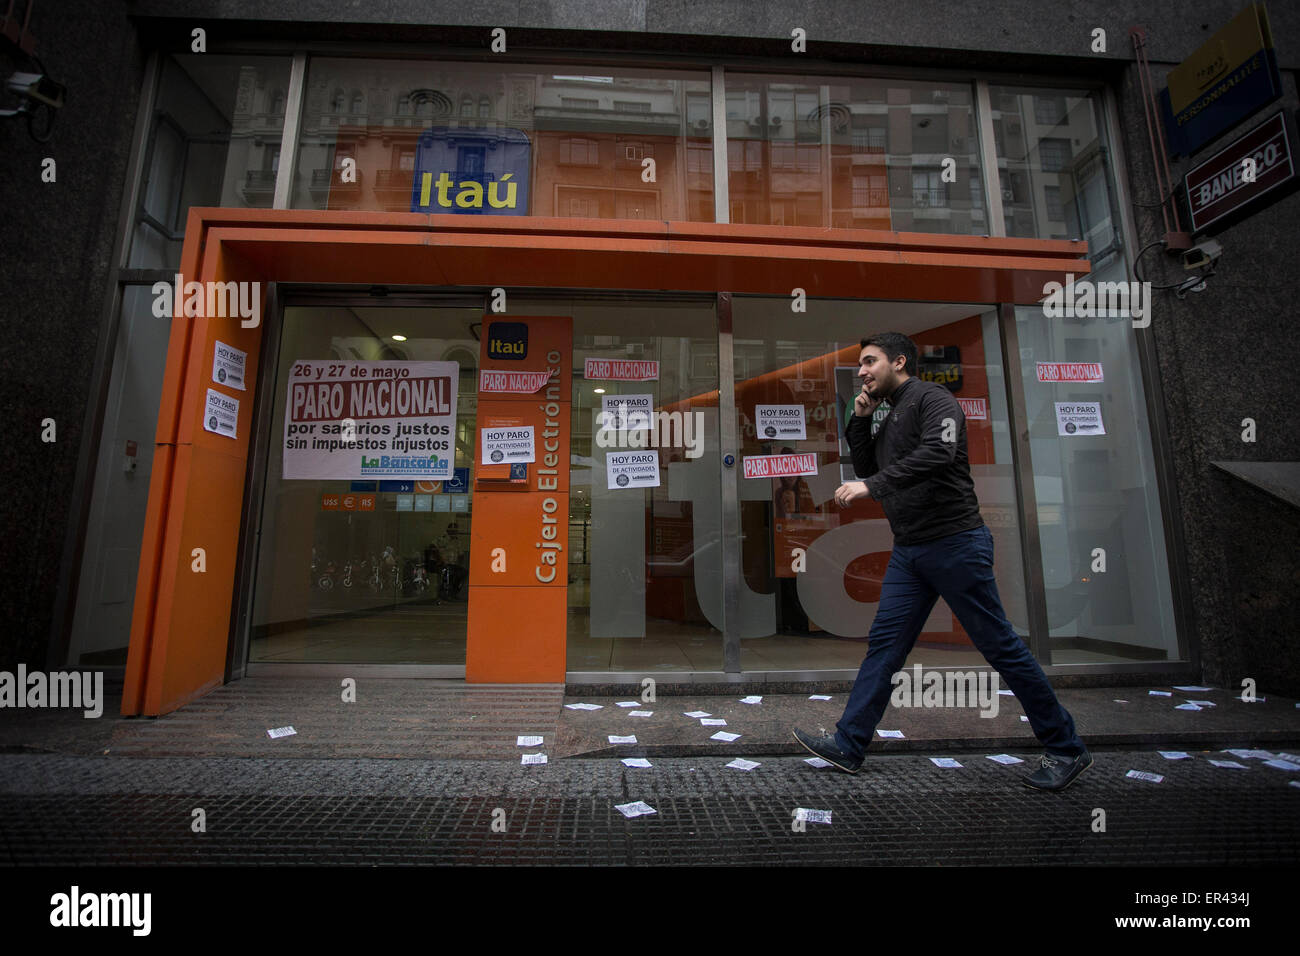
(958, 567)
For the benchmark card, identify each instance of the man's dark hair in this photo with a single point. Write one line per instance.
(894, 344)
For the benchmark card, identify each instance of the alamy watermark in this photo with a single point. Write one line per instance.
(653, 429)
(57, 689)
(242, 300)
(1098, 300)
(933, 688)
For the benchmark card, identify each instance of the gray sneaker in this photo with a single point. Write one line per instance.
(826, 748)
(1057, 772)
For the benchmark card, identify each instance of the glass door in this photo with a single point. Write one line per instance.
(368, 570)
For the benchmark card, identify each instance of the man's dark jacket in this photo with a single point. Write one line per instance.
(922, 481)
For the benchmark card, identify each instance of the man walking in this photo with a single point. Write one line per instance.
(916, 467)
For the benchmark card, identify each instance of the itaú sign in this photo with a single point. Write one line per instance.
(472, 172)
(1261, 163)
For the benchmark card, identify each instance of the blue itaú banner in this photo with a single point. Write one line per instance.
(481, 172)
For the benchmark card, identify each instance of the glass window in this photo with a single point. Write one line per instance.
(1054, 171)
(645, 564)
(811, 151)
(214, 141)
(816, 617)
(1096, 492)
(508, 140)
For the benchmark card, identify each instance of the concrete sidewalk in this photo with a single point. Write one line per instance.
(432, 719)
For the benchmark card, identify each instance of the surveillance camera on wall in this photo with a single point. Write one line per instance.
(36, 87)
(1202, 254)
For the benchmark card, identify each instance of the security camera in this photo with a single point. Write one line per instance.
(34, 86)
(1202, 254)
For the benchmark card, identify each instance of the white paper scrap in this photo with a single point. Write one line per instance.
(696, 713)
(828, 697)
(740, 763)
(713, 722)
(817, 762)
(1191, 687)
(533, 758)
(1174, 754)
(944, 762)
(1250, 754)
(639, 713)
(1005, 758)
(812, 816)
(638, 809)
(282, 732)
(1024, 718)
(1187, 707)
(635, 762)
(584, 706)
(1160, 693)
(1140, 775)
(1229, 763)
(1118, 701)
(752, 699)
(890, 733)
(1293, 783)
(725, 737)
(1289, 758)
(1282, 764)
(628, 703)
(1202, 703)
(522, 741)
(614, 739)
(1006, 693)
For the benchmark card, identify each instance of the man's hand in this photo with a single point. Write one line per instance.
(850, 491)
(864, 405)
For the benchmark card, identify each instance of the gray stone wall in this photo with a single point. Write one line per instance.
(56, 243)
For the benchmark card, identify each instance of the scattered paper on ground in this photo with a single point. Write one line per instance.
(1202, 703)
(1191, 687)
(1187, 707)
(1173, 754)
(820, 697)
(635, 762)
(752, 699)
(639, 713)
(282, 732)
(522, 741)
(817, 762)
(1024, 718)
(614, 739)
(1118, 701)
(1160, 693)
(1282, 764)
(1006, 758)
(628, 703)
(812, 816)
(1229, 763)
(724, 736)
(1006, 693)
(740, 763)
(1250, 754)
(638, 809)
(697, 713)
(534, 758)
(713, 722)
(584, 706)
(944, 762)
(890, 733)
(1141, 775)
